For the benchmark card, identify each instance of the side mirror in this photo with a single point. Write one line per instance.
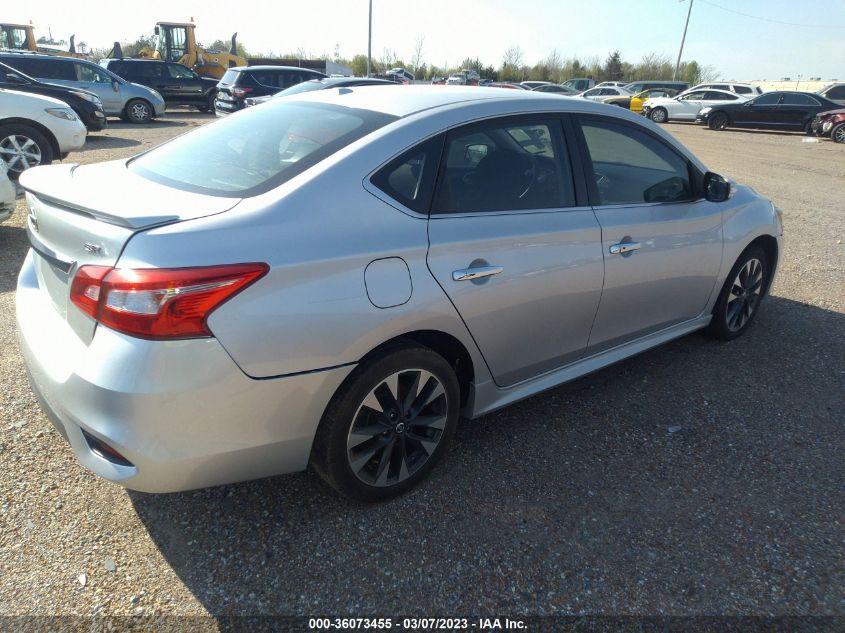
(115, 86)
(156, 29)
(716, 188)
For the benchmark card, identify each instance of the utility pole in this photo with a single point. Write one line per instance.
(683, 39)
(370, 41)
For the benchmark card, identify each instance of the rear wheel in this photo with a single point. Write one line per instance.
(659, 115)
(22, 147)
(208, 106)
(718, 121)
(388, 424)
(138, 111)
(837, 134)
(741, 295)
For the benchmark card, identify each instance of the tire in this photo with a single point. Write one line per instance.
(391, 449)
(138, 111)
(208, 106)
(837, 134)
(740, 297)
(659, 115)
(717, 121)
(22, 147)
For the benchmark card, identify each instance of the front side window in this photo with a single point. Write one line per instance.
(15, 38)
(257, 150)
(177, 71)
(91, 74)
(743, 90)
(500, 166)
(693, 96)
(630, 166)
(772, 98)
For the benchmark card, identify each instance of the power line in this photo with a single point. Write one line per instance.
(758, 17)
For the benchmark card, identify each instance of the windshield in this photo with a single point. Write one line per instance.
(258, 149)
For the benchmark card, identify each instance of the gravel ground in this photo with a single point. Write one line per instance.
(583, 500)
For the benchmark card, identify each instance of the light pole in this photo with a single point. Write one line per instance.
(683, 39)
(370, 40)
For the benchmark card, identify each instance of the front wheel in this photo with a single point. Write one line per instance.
(138, 111)
(837, 134)
(22, 147)
(741, 295)
(388, 424)
(718, 121)
(658, 115)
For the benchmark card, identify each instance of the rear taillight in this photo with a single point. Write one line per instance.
(240, 93)
(159, 303)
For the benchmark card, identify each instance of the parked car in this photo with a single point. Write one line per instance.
(438, 81)
(557, 89)
(830, 123)
(686, 106)
(86, 105)
(531, 85)
(580, 84)
(485, 82)
(780, 110)
(507, 84)
(638, 86)
(612, 84)
(8, 193)
(321, 84)
(176, 83)
(35, 130)
(634, 103)
(120, 98)
(348, 274)
(467, 77)
(256, 81)
(404, 75)
(746, 90)
(600, 94)
(834, 92)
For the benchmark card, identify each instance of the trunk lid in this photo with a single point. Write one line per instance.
(82, 215)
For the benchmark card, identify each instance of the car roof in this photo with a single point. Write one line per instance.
(412, 99)
(241, 69)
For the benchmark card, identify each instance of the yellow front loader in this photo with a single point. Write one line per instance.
(176, 42)
(21, 37)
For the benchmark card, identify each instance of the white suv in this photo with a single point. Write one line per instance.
(35, 130)
(746, 90)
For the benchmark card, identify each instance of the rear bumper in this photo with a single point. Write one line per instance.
(181, 412)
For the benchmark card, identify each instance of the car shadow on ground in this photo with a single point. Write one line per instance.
(690, 479)
(13, 244)
(97, 142)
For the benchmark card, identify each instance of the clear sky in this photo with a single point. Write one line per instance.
(737, 47)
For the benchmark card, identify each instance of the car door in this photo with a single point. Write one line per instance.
(94, 79)
(713, 98)
(686, 108)
(795, 111)
(662, 242)
(188, 84)
(511, 247)
(759, 112)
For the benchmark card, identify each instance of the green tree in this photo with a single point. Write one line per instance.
(223, 45)
(613, 69)
(359, 65)
(131, 49)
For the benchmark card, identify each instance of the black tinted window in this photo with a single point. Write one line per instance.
(178, 71)
(719, 96)
(631, 166)
(771, 98)
(43, 68)
(799, 99)
(504, 166)
(837, 92)
(743, 90)
(144, 70)
(410, 178)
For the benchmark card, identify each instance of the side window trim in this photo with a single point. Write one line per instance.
(696, 177)
(556, 127)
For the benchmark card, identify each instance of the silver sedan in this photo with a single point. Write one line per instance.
(334, 278)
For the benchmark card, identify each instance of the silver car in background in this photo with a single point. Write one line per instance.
(130, 101)
(354, 269)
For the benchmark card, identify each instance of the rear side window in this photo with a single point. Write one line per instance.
(410, 178)
(630, 166)
(257, 150)
(798, 99)
(145, 70)
(719, 96)
(510, 165)
(837, 92)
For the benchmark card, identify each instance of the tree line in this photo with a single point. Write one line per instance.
(513, 66)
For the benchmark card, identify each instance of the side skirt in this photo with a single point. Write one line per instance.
(488, 397)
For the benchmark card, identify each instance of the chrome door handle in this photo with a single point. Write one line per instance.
(624, 247)
(468, 274)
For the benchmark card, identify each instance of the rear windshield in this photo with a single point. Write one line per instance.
(305, 86)
(258, 149)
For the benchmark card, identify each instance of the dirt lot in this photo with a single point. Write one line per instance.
(577, 501)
